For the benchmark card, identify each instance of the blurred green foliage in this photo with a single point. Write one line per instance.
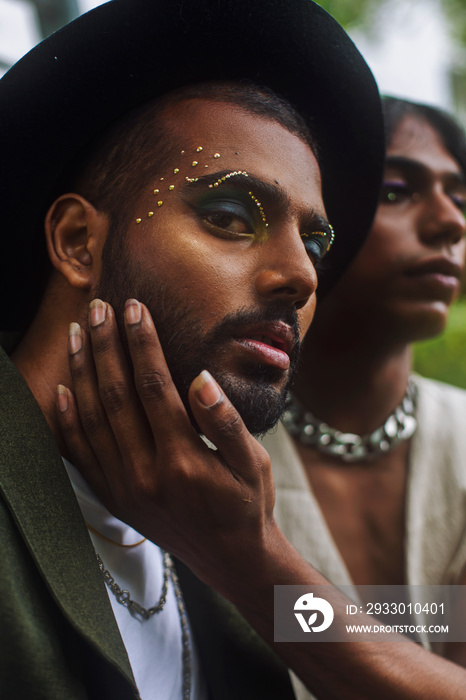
(444, 358)
(455, 10)
(350, 13)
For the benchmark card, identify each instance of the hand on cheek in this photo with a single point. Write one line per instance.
(131, 437)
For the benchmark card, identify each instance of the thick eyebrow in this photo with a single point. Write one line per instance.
(244, 182)
(268, 193)
(416, 168)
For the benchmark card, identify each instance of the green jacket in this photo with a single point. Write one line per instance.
(58, 636)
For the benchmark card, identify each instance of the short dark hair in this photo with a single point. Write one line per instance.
(118, 163)
(450, 131)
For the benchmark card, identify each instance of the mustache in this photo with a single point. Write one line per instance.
(276, 311)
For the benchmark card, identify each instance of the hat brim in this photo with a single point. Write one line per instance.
(54, 100)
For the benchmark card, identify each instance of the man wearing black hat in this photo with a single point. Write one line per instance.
(175, 189)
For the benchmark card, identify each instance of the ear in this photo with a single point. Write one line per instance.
(75, 233)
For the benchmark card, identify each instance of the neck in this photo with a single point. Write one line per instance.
(351, 378)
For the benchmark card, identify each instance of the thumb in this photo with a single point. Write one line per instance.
(221, 423)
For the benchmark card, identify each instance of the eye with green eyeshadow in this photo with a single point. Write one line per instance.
(230, 214)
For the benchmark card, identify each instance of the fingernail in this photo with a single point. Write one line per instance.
(62, 398)
(206, 389)
(97, 312)
(75, 338)
(132, 312)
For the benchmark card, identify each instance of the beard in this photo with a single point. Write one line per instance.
(188, 349)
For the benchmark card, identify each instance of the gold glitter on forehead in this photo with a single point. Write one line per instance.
(227, 177)
(199, 149)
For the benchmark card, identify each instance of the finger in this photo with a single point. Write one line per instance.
(115, 382)
(222, 424)
(162, 403)
(77, 447)
(89, 407)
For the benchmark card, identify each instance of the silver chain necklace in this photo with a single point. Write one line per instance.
(349, 447)
(124, 598)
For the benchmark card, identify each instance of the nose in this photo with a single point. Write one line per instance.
(442, 221)
(286, 272)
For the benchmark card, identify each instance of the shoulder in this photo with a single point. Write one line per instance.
(440, 439)
(444, 396)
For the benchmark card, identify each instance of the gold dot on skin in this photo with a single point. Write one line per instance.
(172, 187)
(182, 152)
(161, 179)
(199, 149)
(206, 166)
(176, 170)
(138, 221)
(156, 191)
(151, 213)
(216, 155)
(159, 204)
(194, 162)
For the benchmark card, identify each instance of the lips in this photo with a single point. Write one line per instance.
(436, 266)
(434, 279)
(269, 343)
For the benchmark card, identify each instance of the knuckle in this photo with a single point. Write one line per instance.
(230, 426)
(141, 339)
(114, 396)
(78, 368)
(152, 386)
(92, 422)
(102, 341)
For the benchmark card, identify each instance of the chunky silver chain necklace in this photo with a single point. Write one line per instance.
(124, 598)
(349, 447)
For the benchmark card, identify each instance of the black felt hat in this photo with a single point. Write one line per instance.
(54, 100)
